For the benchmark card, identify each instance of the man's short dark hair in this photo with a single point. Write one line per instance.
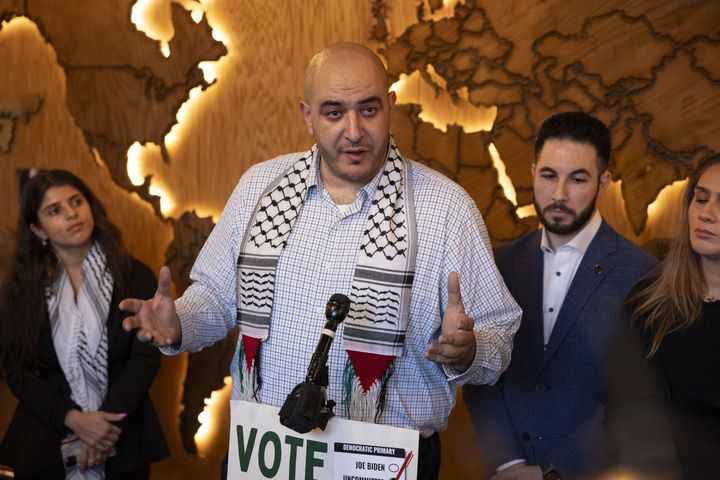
(578, 127)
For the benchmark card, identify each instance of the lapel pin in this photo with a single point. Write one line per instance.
(598, 268)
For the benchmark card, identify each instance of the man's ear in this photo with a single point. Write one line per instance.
(533, 165)
(604, 182)
(38, 232)
(305, 111)
(392, 99)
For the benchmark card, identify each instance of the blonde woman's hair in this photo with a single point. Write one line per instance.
(673, 299)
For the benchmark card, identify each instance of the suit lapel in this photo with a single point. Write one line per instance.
(592, 271)
(530, 281)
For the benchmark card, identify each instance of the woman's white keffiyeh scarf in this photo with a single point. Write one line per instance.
(374, 332)
(79, 331)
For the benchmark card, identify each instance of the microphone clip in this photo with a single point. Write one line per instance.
(307, 408)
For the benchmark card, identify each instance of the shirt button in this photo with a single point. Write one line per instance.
(328, 266)
(551, 309)
(539, 388)
(557, 273)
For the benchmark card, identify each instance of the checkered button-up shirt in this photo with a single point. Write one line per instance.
(319, 260)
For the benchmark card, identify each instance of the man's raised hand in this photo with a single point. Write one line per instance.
(456, 344)
(156, 319)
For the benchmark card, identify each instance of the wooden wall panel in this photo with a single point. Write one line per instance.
(529, 58)
(657, 89)
(251, 113)
(50, 139)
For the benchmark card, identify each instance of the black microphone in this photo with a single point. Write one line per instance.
(306, 407)
(335, 311)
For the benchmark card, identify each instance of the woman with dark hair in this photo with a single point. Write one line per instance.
(81, 381)
(663, 403)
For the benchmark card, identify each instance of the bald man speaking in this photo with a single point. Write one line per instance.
(409, 248)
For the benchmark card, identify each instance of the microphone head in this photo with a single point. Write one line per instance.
(337, 307)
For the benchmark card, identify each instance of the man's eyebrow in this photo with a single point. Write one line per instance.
(331, 103)
(579, 171)
(337, 103)
(373, 99)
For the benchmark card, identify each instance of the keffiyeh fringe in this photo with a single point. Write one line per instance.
(360, 404)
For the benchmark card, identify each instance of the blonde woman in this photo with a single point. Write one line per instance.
(663, 405)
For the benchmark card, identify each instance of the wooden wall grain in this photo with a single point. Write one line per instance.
(250, 114)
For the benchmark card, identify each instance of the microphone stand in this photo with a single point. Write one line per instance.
(307, 407)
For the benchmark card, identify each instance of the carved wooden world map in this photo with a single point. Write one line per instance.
(13, 110)
(120, 88)
(650, 70)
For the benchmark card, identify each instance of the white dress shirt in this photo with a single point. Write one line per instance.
(559, 269)
(319, 260)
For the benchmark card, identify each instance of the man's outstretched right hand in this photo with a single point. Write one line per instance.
(156, 320)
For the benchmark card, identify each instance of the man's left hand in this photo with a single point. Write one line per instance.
(456, 344)
(519, 472)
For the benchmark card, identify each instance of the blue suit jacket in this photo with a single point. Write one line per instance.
(548, 405)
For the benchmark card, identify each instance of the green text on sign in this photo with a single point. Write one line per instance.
(269, 453)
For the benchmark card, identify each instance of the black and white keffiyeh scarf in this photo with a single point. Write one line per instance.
(79, 332)
(374, 331)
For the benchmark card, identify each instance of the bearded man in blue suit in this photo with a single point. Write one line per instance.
(543, 418)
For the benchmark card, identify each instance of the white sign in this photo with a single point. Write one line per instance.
(261, 448)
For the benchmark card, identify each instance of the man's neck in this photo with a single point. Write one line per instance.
(556, 240)
(341, 194)
(342, 191)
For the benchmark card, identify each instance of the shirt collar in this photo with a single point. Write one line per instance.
(313, 179)
(581, 241)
